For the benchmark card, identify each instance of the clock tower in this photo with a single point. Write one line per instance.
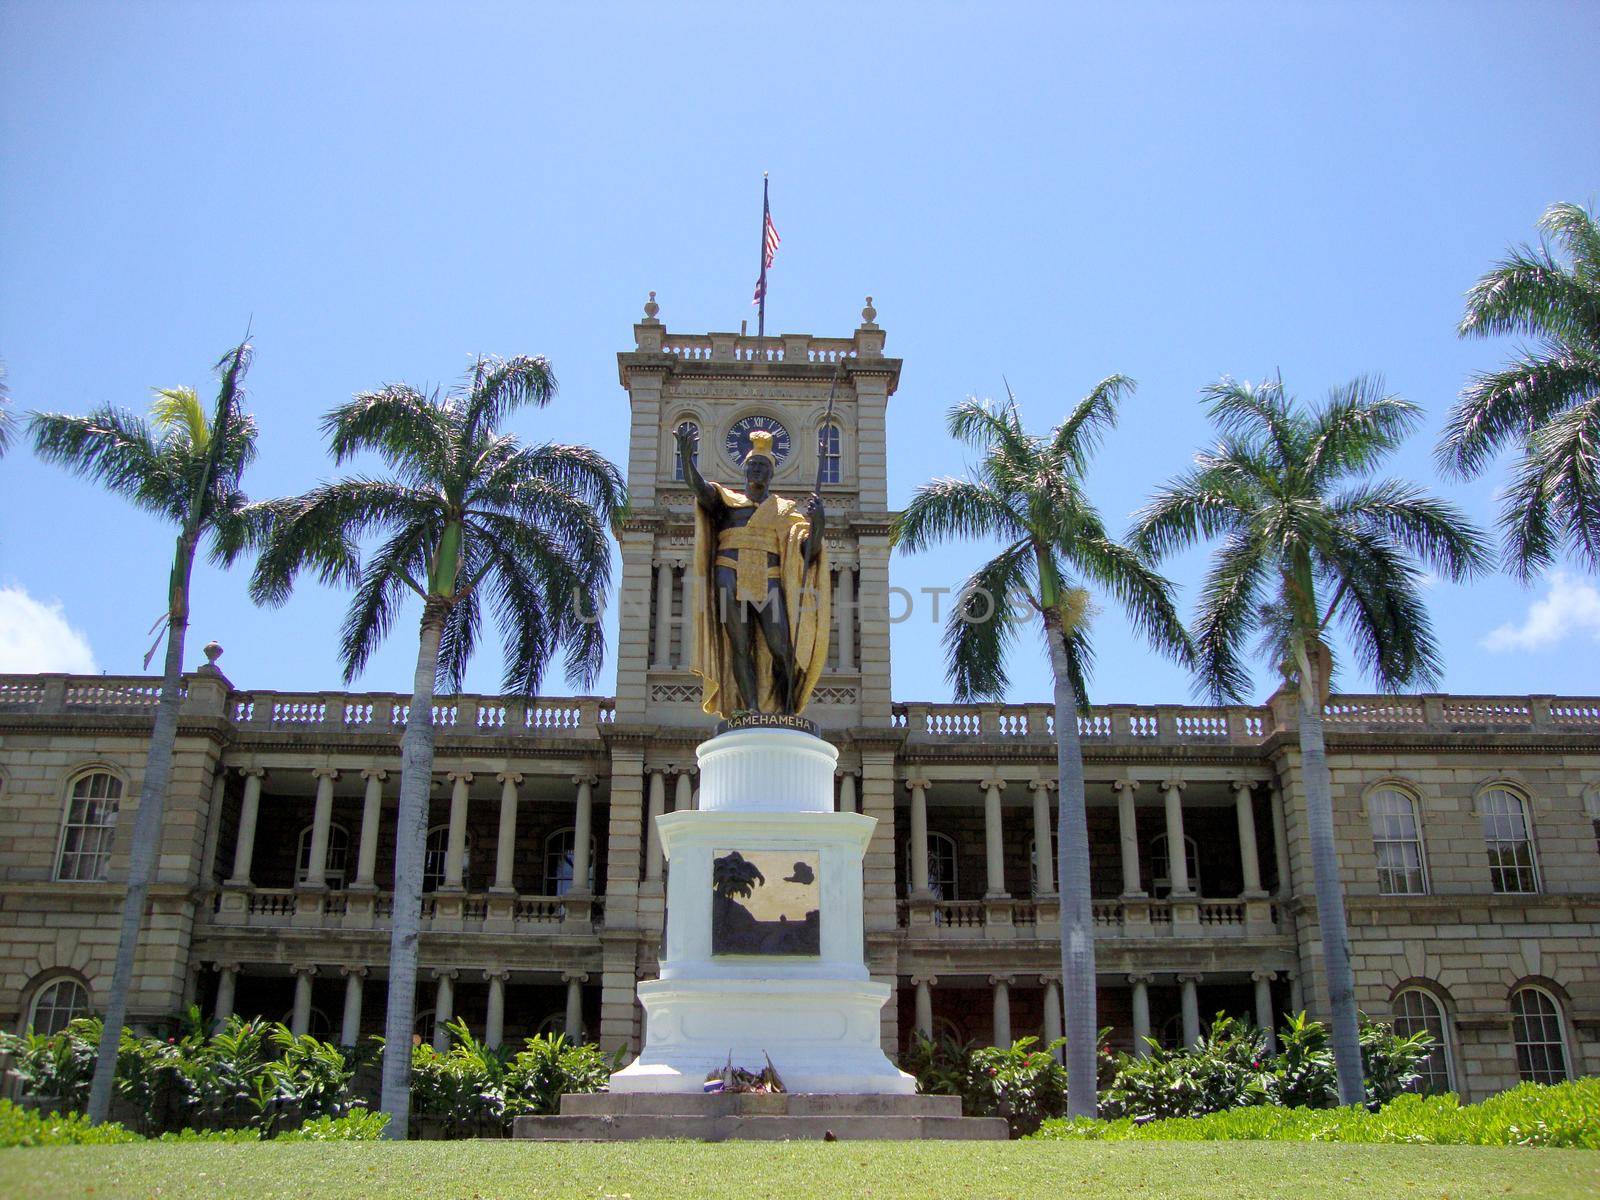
(724, 387)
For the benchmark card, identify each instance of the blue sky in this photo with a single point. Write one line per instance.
(1049, 193)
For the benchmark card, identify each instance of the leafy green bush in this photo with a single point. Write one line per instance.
(358, 1125)
(549, 1067)
(1232, 1067)
(22, 1127)
(56, 1066)
(1022, 1083)
(1566, 1114)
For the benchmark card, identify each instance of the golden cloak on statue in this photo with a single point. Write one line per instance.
(777, 527)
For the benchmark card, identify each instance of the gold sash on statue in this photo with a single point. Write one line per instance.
(752, 568)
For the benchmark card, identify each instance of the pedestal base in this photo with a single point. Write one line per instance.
(821, 1035)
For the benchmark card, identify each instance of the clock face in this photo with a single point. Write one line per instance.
(737, 442)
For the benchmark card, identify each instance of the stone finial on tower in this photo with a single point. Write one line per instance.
(213, 651)
(869, 316)
(651, 308)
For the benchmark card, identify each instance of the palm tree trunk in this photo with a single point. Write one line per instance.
(411, 835)
(1330, 895)
(145, 850)
(1072, 867)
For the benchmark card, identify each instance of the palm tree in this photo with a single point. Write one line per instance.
(469, 512)
(1546, 401)
(1308, 537)
(1029, 493)
(185, 468)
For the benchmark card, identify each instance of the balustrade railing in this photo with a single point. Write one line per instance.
(1109, 724)
(1022, 917)
(337, 909)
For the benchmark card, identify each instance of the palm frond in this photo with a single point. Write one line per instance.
(1564, 455)
(1196, 506)
(1358, 426)
(1574, 228)
(1500, 407)
(578, 472)
(500, 386)
(1383, 614)
(953, 509)
(407, 429)
(177, 410)
(982, 625)
(114, 448)
(386, 579)
(1253, 411)
(986, 426)
(1076, 438)
(1142, 592)
(1530, 293)
(1230, 603)
(1436, 531)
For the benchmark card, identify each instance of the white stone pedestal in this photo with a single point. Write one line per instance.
(814, 1015)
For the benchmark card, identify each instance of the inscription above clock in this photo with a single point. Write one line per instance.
(737, 441)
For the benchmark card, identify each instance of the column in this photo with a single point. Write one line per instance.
(924, 1005)
(847, 791)
(844, 600)
(994, 840)
(1264, 1018)
(656, 806)
(1245, 810)
(1052, 1012)
(300, 1018)
(494, 1023)
(1002, 1010)
(227, 981)
(686, 606)
(455, 847)
(1177, 853)
(444, 1009)
(322, 815)
(371, 818)
(919, 838)
(1044, 862)
(1297, 999)
(244, 848)
(505, 842)
(1141, 1014)
(661, 656)
(582, 832)
(574, 1027)
(1280, 842)
(683, 795)
(1128, 830)
(1191, 1009)
(354, 982)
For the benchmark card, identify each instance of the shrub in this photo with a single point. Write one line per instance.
(358, 1125)
(23, 1127)
(1022, 1083)
(1566, 1114)
(1231, 1067)
(549, 1067)
(57, 1067)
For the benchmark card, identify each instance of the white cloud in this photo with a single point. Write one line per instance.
(35, 636)
(1571, 608)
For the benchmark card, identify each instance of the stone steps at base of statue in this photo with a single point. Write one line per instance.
(756, 1104)
(845, 1127)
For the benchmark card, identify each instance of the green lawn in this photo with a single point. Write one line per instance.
(794, 1171)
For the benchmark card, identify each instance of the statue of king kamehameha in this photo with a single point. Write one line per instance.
(762, 599)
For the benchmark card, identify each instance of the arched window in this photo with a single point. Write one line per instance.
(560, 849)
(1397, 840)
(555, 1023)
(946, 1030)
(90, 827)
(1540, 1039)
(1161, 866)
(1509, 840)
(318, 1024)
(1170, 1035)
(422, 1028)
(338, 856)
(56, 1003)
(434, 855)
(1417, 1010)
(830, 463)
(941, 867)
(693, 431)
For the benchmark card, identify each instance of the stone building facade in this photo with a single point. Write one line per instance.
(1469, 827)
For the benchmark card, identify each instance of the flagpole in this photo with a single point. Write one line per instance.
(766, 215)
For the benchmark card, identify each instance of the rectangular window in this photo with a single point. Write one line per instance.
(1509, 842)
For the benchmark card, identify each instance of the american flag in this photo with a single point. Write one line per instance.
(771, 249)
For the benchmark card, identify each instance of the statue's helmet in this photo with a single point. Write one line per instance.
(761, 447)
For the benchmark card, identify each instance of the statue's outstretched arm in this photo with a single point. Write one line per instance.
(704, 493)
